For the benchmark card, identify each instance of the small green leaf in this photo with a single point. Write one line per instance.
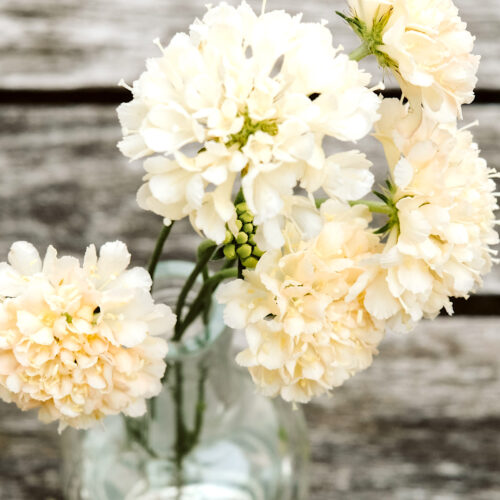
(383, 197)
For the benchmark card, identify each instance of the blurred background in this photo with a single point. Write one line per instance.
(422, 423)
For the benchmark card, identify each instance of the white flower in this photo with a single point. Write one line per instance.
(445, 202)
(302, 308)
(243, 97)
(344, 176)
(427, 46)
(302, 217)
(79, 342)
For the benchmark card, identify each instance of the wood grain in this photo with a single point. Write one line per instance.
(73, 43)
(65, 183)
(423, 423)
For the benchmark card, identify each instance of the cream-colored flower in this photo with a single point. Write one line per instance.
(300, 214)
(243, 97)
(445, 205)
(427, 46)
(79, 342)
(302, 308)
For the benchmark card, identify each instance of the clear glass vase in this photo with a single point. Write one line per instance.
(208, 436)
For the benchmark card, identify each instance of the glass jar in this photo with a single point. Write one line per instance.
(208, 436)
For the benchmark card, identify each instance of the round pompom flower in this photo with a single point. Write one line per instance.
(302, 308)
(444, 195)
(426, 45)
(244, 98)
(79, 342)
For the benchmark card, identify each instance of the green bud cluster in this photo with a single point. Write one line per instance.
(243, 246)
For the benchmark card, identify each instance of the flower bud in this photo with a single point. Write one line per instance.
(250, 262)
(229, 237)
(230, 252)
(246, 217)
(244, 251)
(241, 238)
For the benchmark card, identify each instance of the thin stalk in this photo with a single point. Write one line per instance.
(186, 440)
(205, 252)
(180, 432)
(208, 303)
(200, 407)
(140, 434)
(197, 306)
(360, 53)
(205, 273)
(206, 310)
(160, 242)
(374, 206)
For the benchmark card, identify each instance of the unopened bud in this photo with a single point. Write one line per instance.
(244, 251)
(229, 237)
(246, 217)
(230, 252)
(241, 238)
(250, 262)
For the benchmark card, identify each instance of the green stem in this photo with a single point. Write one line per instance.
(200, 407)
(206, 310)
(180, 431)
(160, 242)
(374, 206)
(140, 433)
(186, 440)
(208, 302)
(205, 252)
(360, 53)
(197, 306)
(205, 273)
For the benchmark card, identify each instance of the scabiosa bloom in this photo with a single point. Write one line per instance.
(445, 202)
(242, 98)
(426, 45)
(302, 308)
(79, 342)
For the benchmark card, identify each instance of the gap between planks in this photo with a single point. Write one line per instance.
(116, 95)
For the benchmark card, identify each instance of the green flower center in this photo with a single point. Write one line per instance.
(249, 128)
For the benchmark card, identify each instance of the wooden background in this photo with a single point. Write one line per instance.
(422, 423)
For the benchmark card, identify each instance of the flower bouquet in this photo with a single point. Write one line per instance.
(231, 122)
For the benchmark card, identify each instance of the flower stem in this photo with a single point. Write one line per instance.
(374, 206)
(205, 252)
(186, 440)
(197, 306)
(140, 433)
(160, 242)
(180, 430)
(360, 53)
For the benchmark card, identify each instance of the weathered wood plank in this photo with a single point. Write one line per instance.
(68, 43)
(65, 183)
(422, 423)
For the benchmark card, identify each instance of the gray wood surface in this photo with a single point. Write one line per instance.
(65, 183)
(68, 43)
(423, 423)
